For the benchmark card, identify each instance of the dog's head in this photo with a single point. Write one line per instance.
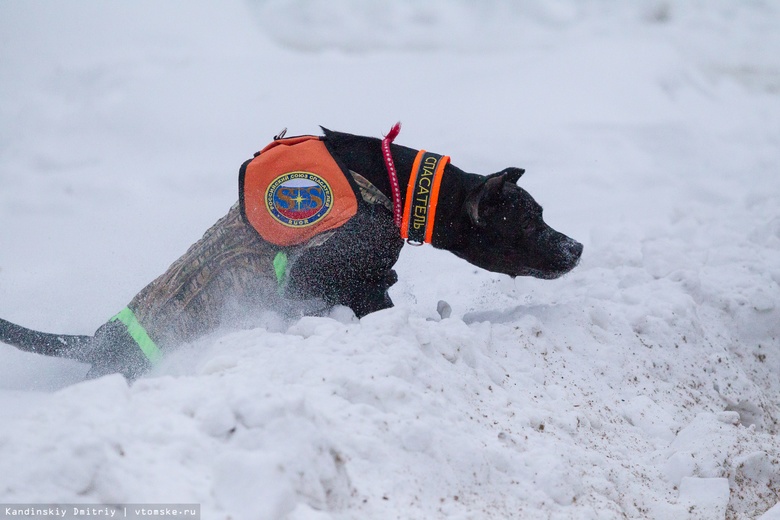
(507, 234)
(488, 221)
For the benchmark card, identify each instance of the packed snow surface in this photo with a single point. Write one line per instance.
(644, 384)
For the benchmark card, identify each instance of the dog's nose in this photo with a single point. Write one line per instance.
(573, 251)
(577, 249)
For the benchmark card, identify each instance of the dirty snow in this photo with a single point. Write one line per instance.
(644, 384)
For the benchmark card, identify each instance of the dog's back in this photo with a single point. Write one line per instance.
(228, 268)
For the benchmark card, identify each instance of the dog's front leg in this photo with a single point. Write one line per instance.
(367, 296)
(353, 268)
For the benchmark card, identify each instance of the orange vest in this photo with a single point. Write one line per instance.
(293, 190)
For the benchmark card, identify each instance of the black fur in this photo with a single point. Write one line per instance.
(109, 351)
(487, 220)
(57, 345)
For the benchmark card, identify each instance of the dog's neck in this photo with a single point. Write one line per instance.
(364, 155)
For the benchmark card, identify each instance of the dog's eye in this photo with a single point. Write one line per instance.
(530, 221)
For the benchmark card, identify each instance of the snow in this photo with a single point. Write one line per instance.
(644, 384)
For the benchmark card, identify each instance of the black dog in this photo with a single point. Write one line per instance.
(235, 269)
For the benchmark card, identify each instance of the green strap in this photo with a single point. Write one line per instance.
(280, 268)
(139, 334)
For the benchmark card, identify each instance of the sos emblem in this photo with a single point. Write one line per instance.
(298, 199)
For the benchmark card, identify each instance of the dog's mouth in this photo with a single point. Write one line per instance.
(546, 262)
(565, 259)
(543, 275)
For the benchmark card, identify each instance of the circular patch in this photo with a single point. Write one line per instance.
(298, 199)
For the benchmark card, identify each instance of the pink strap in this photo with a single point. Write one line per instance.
(391, 173)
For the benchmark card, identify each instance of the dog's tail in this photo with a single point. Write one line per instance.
(58, 345)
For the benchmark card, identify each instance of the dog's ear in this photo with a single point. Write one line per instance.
(512, 174)
(488, 193)
(485, 195)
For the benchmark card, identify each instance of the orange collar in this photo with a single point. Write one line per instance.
(422, 196)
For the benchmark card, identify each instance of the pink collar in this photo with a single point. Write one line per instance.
(391, 173)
